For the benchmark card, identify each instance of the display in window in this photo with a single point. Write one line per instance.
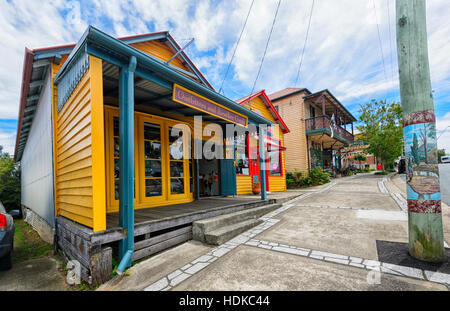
(152, 168)
(177, 185)
(241, 163)
(176, 169)
(151, 131)
(153, 187)
(152, 150)
(116, 147)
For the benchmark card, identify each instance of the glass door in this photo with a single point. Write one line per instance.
(179, 182)
(152, 158)
(113, 159)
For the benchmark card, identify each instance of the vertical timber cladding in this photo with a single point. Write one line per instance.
(276, 183)
(79, 152)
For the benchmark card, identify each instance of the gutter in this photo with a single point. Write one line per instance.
(26, 76)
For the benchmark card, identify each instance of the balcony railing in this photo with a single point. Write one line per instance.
(324, 122)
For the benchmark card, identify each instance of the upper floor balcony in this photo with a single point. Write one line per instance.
(323, 124)
(326, 115)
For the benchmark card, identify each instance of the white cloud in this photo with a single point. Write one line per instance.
(443, 132)
(342, 53)
(7, 140)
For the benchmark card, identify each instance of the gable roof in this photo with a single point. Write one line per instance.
(262, 94)
(35, 68)
(287, 92)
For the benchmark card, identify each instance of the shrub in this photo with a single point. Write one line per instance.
(318, 177)
(305, 181)
(297, 180)
(290, 181)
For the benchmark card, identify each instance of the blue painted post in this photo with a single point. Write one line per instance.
(126, 162)
(262, 163)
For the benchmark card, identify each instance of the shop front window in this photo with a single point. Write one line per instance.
(152, 158)
(274, 158)
(241, 148)
(116, 158)
(176, 162)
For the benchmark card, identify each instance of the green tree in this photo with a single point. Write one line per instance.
(381, 128)
(9, 181)
(360, 157)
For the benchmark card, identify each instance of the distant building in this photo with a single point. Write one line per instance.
(356, 147)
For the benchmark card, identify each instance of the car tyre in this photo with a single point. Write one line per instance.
(5, 262)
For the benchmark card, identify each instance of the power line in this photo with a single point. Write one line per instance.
(443, 131)
(304, 45)
(237, 44)
(267, 44)
(390, 38)
(379, 40)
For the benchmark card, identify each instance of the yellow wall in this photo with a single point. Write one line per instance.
(162, 52)
(276, 183)
(79, 153)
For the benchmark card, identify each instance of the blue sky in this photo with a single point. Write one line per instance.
(342, 54)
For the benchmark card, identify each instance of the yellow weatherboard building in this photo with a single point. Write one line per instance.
(105, 139)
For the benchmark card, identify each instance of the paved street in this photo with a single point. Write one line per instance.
(351, 234)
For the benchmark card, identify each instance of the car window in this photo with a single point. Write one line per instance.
(2, 208)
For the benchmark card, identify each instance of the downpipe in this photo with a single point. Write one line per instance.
(125, 262)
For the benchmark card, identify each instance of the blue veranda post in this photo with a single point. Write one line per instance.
(426, 238)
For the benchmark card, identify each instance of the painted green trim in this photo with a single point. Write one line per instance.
(327, 131)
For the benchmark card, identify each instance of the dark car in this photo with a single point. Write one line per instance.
(6, 238)
(402, 166)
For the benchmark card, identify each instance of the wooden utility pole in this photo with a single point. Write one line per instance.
(426, 238)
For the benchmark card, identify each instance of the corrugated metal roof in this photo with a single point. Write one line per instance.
(285, 92)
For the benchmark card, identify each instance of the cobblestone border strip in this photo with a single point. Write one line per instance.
(336, 207)
(362, 263)
(188, 270)
(179, 275)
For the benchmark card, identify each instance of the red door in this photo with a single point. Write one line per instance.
(255, 166)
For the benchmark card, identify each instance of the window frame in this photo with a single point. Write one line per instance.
(280, 158)
(247, 153)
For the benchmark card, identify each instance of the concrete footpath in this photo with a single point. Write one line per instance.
(350, 234)
(33, 275)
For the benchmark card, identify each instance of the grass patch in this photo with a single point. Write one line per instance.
(27, 243)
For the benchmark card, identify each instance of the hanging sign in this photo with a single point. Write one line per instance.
(188, 98)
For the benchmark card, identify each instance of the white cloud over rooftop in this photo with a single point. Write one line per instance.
(342, 53)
